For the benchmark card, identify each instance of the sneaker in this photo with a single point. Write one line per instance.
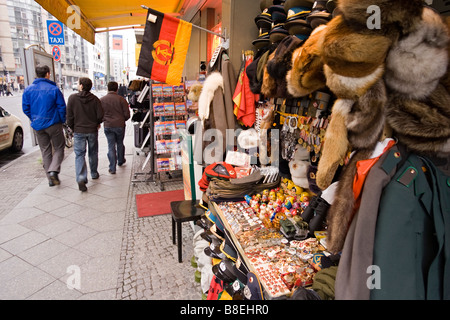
(95, 175)
(82, 186)
(112, 172)
(121, 164)
(54, 178)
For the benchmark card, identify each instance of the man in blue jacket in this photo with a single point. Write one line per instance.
(45, 106)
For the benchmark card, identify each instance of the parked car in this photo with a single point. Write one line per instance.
(75, 86)
(11, 131)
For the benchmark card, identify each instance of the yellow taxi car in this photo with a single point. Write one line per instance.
(11, 131)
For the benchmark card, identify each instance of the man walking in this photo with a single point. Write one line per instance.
(84, 116)
(116, 112)
(44, 105)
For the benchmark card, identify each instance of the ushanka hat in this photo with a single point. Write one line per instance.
(269, 85)
(282, 61)
(417, 61)
(418, 109)
(353, 54)
(401, 15)
(306, 74)
(422, 125)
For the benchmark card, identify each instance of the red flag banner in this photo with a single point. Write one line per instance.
(164, 47)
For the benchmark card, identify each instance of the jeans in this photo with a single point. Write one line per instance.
(116, 149)
(80, 141)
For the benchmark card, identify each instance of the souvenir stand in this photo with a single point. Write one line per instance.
(166, 114)
(330, 194)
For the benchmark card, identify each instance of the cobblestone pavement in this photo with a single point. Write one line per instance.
(44, 231)
(149, 267)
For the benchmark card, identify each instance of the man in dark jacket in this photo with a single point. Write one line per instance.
(44, 105)
(84, 116)
(116, 112)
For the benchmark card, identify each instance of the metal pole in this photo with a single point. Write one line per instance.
(108, 64)
(203, 29)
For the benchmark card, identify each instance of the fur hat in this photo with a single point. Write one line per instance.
(351, 87)
(350, 53)
(423, 126)
(335, 145)
(269, 85)
(366, 120)
(417, 61)
(399, 14)
(282, 61)
(306, 74)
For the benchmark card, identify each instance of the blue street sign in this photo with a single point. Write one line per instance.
(55, 30)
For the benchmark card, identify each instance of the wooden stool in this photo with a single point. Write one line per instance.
(182, 211)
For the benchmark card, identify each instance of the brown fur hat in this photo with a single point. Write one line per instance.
(282, 61)
(350, 53)
(335, 145)
(417, 61)
(351, 87)
(269, 85)
(445, 80)
(306, 74)
(366, 120)
(399, 14)
(423, 126)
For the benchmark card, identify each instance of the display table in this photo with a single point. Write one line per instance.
(281, 265)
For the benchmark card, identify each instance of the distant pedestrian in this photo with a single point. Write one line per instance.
(122, 91)
(8, 90)
(1, 90)
(84, 116)
(45, 106)
(116, 113)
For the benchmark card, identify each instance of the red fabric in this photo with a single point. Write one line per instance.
(215, 288)
(244, 99)
(152, 204)
(362, 170)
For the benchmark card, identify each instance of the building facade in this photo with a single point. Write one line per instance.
(23, 24)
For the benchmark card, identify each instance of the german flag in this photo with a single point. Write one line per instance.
(164, 47)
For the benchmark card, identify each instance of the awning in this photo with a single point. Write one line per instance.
(86, 17)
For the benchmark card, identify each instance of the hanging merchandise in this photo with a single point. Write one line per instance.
(215, 104)
(244, 99)
(157, 59)
(278, 67)
(363, 117)
(289, 136)
(306, 74)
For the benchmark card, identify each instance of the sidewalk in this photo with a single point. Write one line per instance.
(60, 243)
